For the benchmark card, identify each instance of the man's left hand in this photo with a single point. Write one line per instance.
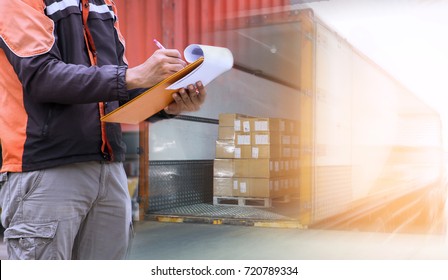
(187, 100)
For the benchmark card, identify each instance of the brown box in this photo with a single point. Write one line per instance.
(246, 125)
(265, 124)
(295, 165)
(225, 149)
(261, 187)
(241, 167)
(275, 188)
(254, 187)
(265, 151)
(233, 120)
(243, 151)
(226, 133)
(241, 186)
(286, 152)
(278, 167)
(292, 127)
(223, 168)
(235, 187)
(228, 150)
(256, 168)
(263, 168)
(295, 140)
(251, 168)
(242, 138)
(265, 138)
(291, 167)
(285, 139)
(295, 151)
(228, 119)
(222, 186)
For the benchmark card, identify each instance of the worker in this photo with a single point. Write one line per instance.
(64, 190)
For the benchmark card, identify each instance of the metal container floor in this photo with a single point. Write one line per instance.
(286, 213)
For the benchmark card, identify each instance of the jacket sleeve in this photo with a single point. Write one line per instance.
(48, 79)
(40, 69)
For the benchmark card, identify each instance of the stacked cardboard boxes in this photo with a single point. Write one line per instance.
(256, 157)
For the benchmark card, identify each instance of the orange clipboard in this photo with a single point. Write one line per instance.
(151, 101)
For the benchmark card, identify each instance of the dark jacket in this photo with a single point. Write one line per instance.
(49, 90)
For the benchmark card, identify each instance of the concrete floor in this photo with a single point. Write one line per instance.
(189, 241)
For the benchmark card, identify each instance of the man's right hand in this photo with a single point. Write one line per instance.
(162, 64)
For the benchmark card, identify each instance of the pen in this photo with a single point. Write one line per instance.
(160, 46)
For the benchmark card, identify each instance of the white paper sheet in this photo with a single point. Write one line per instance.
(217, 60)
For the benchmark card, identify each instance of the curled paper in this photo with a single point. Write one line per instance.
(217, 60)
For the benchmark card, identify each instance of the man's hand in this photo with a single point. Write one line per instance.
(159, 66)
(187, 100)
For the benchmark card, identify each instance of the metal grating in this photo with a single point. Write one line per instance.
(185, 189)
(216, 211)
(179, 183)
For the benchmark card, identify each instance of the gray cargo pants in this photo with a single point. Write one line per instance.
(76, 211)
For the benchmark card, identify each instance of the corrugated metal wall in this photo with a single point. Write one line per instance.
(178, 23)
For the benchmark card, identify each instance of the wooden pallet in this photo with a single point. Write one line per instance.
(282, 199)
(242, 201)
(286, 198)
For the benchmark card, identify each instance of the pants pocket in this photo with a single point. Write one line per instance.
(31, 240)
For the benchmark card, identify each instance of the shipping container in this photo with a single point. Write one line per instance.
(369, 152)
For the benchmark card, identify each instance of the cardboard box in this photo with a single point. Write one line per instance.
(265, 124)
(256, 168)
(265, 138)
(291, 167)
(228, 119)
(223, 168)
(261, 187)
(228, 187)
(295, 140)
(222, 186)
(225, 149)
(241, 167)
(226, 133)
(241, 187)
(265, 151)
(286, 152)
(232, 120)
(242, 138)
(254, 187)
(251, 168)
(243, 151)
(295, 151)
(246, 125)
(292, 127)
(228, 150)
(285, 139)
